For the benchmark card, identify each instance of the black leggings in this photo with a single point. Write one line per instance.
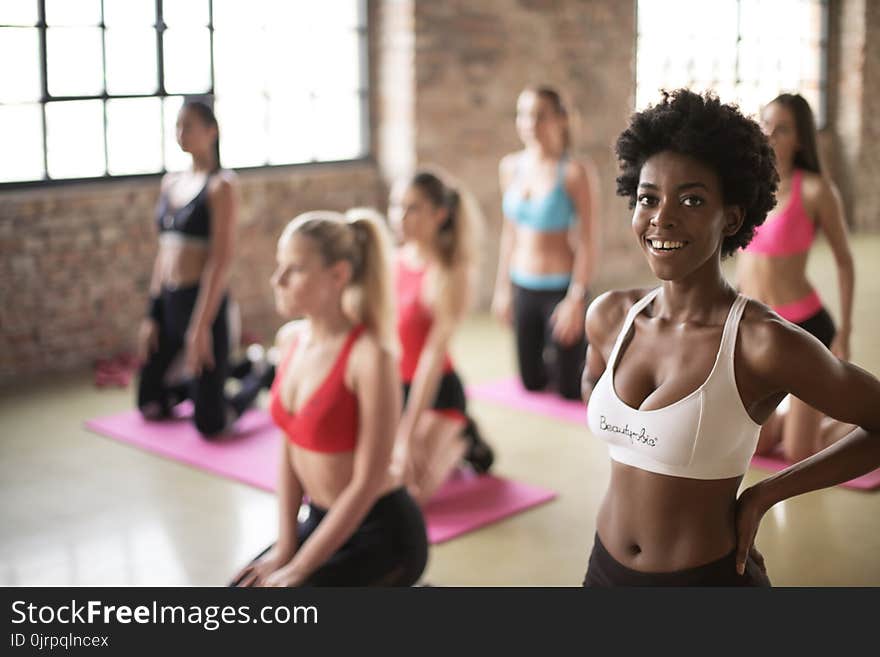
(390, 548)
(213, 412)
(450, 396)
(605, 571)
(820, 326)
(534, 341)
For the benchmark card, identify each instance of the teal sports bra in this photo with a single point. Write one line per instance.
(550, 213)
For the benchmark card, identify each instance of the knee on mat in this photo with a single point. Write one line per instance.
(572, 394)
(210, 427)
(152, 411)
(533, 384)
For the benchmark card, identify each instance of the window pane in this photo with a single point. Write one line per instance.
(288, 65)
(238, 14)
(18, 12)
(341, 70)
(22, 81)
(75, 61)
(129, 12)
(705, 51)
(73, 12)
(21, 133)
(186, 12)
(242, 121)
(175, 159)
(187, 60)
(131, 61)
(291, 128)
(75, 138)
(240, 58)
(134, 135)
(334, 14)
(338, 127)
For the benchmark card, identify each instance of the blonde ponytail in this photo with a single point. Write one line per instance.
(360, 238)
(374, 305)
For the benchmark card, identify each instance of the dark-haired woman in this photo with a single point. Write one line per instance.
(196, 217)
(773, 267)
(436, 223)
(680, 377)
(548, 252)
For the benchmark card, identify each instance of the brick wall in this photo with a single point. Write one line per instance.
(75, 261)
(473, 59)
(854, 85)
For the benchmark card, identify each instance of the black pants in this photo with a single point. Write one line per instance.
(390, 548)
(820, 326)
(542, 360)
(450, 396)
(605, 571)
(212, 410)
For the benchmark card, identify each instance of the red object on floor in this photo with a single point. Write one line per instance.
(116, 371)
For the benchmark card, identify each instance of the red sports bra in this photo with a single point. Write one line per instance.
(414, 320)
(328, 421)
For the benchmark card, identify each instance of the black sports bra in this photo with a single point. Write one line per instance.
(192, 221)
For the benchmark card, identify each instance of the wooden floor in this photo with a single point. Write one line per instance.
(80, 509)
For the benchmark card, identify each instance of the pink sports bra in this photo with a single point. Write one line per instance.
(787, 231)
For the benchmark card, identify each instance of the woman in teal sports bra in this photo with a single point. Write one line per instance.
(680, 377)
(548, 254)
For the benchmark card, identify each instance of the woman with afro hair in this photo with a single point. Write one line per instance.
(680, 378)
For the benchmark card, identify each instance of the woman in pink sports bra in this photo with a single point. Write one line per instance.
(680, 378)
(773, 267)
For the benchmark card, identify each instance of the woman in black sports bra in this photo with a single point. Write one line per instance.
(196, 218)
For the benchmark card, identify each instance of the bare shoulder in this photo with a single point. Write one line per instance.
(168, 180)
(507, 166)
(606, 313)
(223, 183)
(370, 359)
(286, 334)
(765, 338)
(815, 187)
(580, 170)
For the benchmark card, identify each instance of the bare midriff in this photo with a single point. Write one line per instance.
(657, 524)
(538, 252)
(181, 262)
(324, 476)
(774, 280)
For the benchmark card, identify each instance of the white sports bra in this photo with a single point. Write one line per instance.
(706, 435)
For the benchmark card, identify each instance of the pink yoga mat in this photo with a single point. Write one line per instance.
(465, 503)
(509, 392)
(870, 481)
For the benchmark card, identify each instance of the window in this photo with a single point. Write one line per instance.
(97, 84)
(748, 51)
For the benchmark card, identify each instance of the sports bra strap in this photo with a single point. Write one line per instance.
(560, 170)
(728, 334)
(636, 308)
(285, 360)
(353, 335)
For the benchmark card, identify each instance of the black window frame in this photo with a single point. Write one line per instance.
(363, 93)
(821, 112)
